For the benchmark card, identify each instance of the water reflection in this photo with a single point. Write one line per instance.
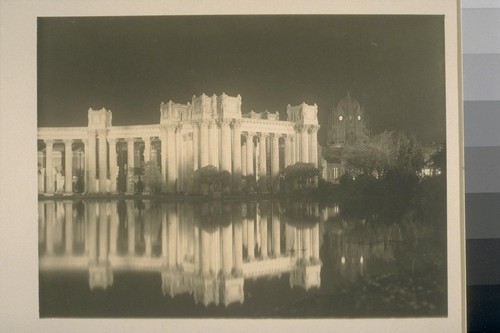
(204, 249)
(269, 258)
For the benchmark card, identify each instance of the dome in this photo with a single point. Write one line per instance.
(348, 106)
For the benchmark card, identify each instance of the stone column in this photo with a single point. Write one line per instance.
(275, 163)
(227, 249)
(41, 173)
(103, 161)
(293, 153)
(236, 130)
(171, 159)
(225, 145)
(113, 164)
(304, 153)
(180, 154)
(68, 167)
(263, 231)
(288, 150)
(49, 167)
(244, 158)
(313, 139)
(250, 171)
(147, 158)
(91, 163)
(86, 164)
(68, 214)
(204, 147)
(306, 242)
(297, 139)
(263, 162)
(214, 144)
(164, 160)
(147, 229)
(130, 165)
(196, 147)
(147, 149)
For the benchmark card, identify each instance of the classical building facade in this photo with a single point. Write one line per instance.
(347, 125)
(210, 130)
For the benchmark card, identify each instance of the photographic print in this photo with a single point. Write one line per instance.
(242, 166)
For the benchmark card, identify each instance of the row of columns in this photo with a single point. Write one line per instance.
(224, 149)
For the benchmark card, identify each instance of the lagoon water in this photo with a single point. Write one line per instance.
(260, 258)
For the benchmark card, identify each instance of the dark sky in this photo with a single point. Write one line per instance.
(394, 66)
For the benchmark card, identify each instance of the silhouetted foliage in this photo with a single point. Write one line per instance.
(152, 177)
(300, 175)
(209, 179)
(80, 181)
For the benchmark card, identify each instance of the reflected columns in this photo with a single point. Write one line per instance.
(68, 167)
(103, 160)
(130, 165)
(49, 167)
(275, 162)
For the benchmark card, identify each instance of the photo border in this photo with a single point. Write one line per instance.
(18, 123)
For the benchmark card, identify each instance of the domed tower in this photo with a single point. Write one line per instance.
(347, 123)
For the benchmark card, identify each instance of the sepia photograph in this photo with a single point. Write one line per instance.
(219, 166)
(248, 166)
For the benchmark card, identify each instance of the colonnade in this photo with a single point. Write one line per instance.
(224, 145)
(257, 146)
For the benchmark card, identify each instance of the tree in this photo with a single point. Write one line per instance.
(367, 157)
(152, 177)
(438, 161)
(300, 175)
(407, 154)
(209, 179)
(383, 152)
(80, 181)
(224, 178)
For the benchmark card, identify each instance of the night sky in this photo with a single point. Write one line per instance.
(394, 66)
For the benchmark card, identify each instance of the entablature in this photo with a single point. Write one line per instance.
(62, 133)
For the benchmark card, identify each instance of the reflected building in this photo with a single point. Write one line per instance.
(206, 250)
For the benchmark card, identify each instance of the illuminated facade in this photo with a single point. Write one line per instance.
(210, 130)
(347, 126)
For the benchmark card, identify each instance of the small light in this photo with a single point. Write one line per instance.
(359, 117)
(341, 118)
(361, 259)
(342, 260)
